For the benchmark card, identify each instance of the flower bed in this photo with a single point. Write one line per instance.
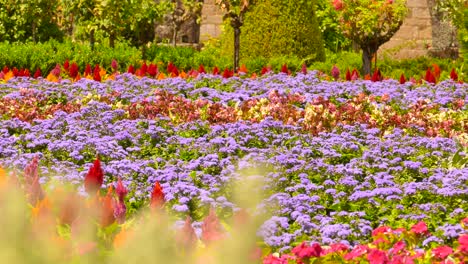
(332, 160)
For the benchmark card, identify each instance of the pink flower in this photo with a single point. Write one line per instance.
(338, 5)
(398, 246)
(376, 256)
(358, 251)
(463, 241)
(420, 228)
(270, 259)
(304, 251)
(442, 252)
(212, 229)
(335, 72)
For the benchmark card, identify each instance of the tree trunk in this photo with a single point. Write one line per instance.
(237, 33)
(174, 35)
(91, 39)
(368, 52)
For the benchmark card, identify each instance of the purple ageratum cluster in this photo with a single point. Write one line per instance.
(334, 187)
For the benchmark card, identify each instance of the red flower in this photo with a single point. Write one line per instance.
(201, 69)
(66, 65)
(436, 71)
(304, 69)
(96, 73)
(348, 75)
(227, 73)
(398, 246)
(270, 259)
(454, 75)
(152, 70)
(215, 71)
(120, 190)
(335, 72)
(377, 76)
(430, 78)
(187, 237)
(87, 70)
(338, 5)
(5, 69)
(94, 178)
(420, 228)
(303, 251)
(376, 256)
(354, 75)
(37, 74)
(170, 67)
(265, 70)
(442, 252)
(284, 69)
(336, 247)
(131, 69)
(211, 228)
(143, 69)
(74, 70)
(402, 79)
(114, 65)
(157, 196)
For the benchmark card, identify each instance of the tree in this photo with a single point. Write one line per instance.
(234, 12)
(82, 13)
(370, 23)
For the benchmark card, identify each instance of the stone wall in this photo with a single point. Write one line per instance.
(211, 21)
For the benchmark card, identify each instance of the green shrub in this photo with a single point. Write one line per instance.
(279, 28)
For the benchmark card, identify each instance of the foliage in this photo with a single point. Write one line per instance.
(329, 25)
(24, 20)
(281, 28)
(370, 23)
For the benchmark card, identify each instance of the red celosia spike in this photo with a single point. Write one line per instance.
(174, 72)
(354, 74)
(66, 65)
(304, 69)
(201, 69)
(335, 72)
(35, 192)
(74, 70)
(131, 69)
(120, 190)
(402, 79)
(21, 73)
(453, 75)
(157, 196)
(94, 178)
(187, 237)
(143, 69)
(152, 70)
(348, 75)
(26, 73)
(376, 76)
(37, 74)
(211, 228)
(227, 73)
(5, 69)
(87, 70)
(170, 67)
(215, 71)
(97, 74)
(264, 70)
(114, 65)
(284, 68)
(430, 76)
(15, 71)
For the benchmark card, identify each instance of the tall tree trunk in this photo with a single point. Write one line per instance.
(91, 39)
(175, 30)
(368, 52)
(237, 33)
